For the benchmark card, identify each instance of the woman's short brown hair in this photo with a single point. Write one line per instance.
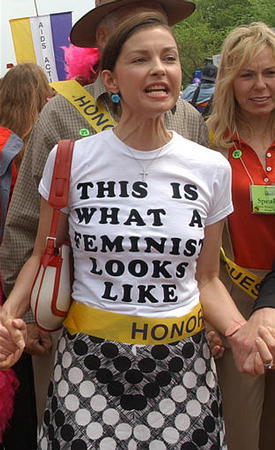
(118, 38)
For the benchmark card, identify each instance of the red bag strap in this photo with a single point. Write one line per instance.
(60, 185)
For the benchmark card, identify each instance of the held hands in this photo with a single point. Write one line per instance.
(16, 336)
(215, 341)
(245, 352)
(253, 344)
(13, 335)
(38, 342)
(266, 346)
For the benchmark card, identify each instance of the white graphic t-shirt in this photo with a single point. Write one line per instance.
(136, 242)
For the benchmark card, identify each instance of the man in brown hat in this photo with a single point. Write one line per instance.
(85, 32)
(62, 118)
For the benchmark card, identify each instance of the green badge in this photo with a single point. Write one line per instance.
(237, 154)
(263, 199)
(84, 132)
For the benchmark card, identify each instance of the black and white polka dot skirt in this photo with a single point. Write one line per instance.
(105, 395)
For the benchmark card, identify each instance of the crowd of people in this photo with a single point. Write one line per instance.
(201, 91)
(170, 217)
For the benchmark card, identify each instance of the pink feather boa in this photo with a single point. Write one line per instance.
(8, 385)
(81, 62)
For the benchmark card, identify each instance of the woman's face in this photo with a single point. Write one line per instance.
(148, 72)
(254, 86)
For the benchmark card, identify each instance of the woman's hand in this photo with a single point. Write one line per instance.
(253, 345)
(38, 342)
(247, 358)
(245, 352)
(215, 341)
(13, 335)
(243, 342)
(266, 346)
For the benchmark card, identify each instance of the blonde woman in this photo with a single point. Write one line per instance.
(242, 127)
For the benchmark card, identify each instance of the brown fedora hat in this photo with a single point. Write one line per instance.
(83, 33)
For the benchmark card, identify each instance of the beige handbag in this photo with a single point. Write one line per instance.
(51, 291)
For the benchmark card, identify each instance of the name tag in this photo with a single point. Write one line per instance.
(262, 199)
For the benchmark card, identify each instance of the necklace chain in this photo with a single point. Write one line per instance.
(246, 169)
(144, 172)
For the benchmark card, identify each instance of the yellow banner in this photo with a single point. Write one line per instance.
(132, 329)
(22, 40)
(246, 280)
(97, 116)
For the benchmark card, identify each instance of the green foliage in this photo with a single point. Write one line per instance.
(202, 34)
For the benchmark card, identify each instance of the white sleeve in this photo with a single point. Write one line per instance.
(45, 182)
(221, 205)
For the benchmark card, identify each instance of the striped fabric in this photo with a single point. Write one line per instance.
(39, 39)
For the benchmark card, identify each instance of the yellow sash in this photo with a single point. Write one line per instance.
(97, 116)
(132, 329)
(246, 280)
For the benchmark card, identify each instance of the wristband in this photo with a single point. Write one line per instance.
(234, 328)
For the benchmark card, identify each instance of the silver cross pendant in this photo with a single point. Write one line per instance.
(144, 174)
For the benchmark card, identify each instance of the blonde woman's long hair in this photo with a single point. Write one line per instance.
(24, 90)
(240, 47)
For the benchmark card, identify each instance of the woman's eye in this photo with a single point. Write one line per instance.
(246, 75)
(170, 58)
(139, 59)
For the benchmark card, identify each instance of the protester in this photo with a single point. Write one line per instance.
(242, 124)
(24, 90)
(200, 94)
(101, 375)
(60, 119)
(10, 146)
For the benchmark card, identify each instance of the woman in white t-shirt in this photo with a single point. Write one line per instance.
(145, 216)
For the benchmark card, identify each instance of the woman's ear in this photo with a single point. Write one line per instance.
(110, 81)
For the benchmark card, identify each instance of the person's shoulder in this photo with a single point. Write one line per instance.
(94, 139)
(188, 91)
(92, 147)
(184, 107)
(55, 102)
(58, 104)
(188, 115)
(196, 151)
(91, 88)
